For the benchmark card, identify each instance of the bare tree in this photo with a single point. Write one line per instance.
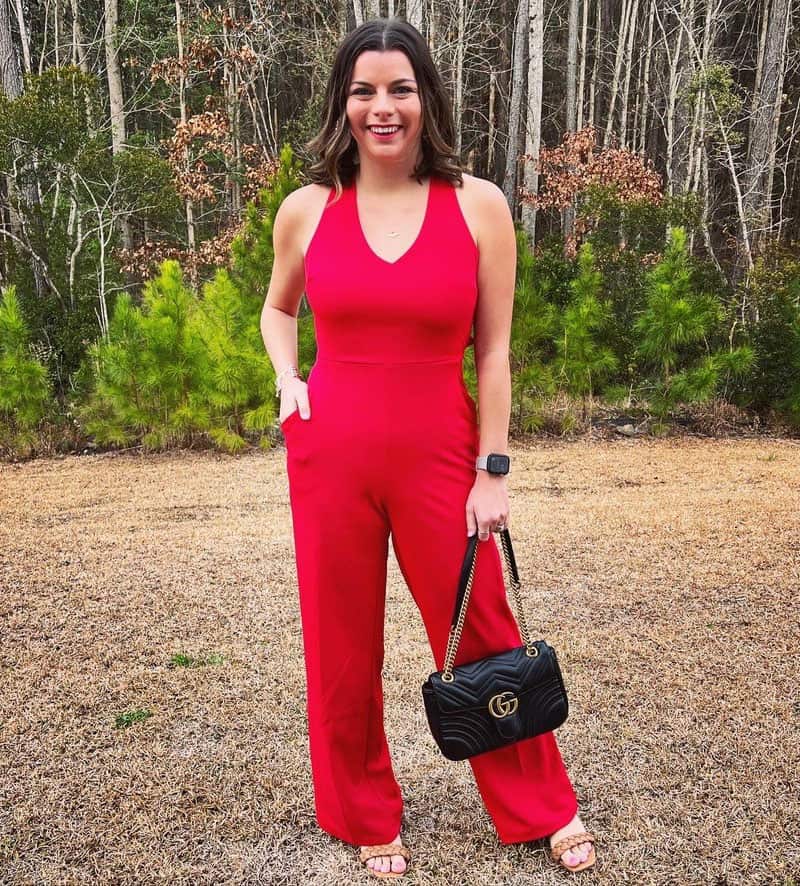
(116, 100)
(515, 112)
(767, 100)
(533, 129)
(414, 10)
(571, 115)
(184, 116)
(12, 87)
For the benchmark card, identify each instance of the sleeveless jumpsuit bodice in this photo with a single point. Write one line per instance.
(386, 391)
(388, 452)
(417, 308)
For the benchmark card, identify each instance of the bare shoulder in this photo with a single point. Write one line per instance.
(484, 206)
(297, 203)
(484, 192)
(301, 211)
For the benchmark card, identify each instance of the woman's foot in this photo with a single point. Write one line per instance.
(577, 854)
(386, 863)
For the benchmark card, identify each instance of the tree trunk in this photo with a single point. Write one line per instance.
(515, 112)
(645, 96)
(458, 99)
(598, 51)
(582, 71)
(116, 101)
(533, 130)
(414, 10)
(24, 37)
(233, 188)
(358, 12)
(623, 117)
(767, 100)
(11, 84)
(568, 214)
(623, 31)
(190, 233)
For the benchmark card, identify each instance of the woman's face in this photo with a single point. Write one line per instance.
(384, 92)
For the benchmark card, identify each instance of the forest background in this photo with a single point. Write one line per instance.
(647, 148)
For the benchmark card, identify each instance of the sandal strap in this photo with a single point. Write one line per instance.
(383, 849)
(569, 842)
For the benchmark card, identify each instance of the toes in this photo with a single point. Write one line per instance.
(571, 858)
(398, 864)
(577, 854)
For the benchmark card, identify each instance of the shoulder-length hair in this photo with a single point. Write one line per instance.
(335, 148)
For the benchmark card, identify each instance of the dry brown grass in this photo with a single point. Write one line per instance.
(665, 574)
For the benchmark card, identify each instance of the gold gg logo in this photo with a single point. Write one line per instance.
(500, 706)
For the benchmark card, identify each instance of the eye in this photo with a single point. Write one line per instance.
(362, 89)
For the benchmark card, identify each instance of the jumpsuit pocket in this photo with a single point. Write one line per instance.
(289, 418)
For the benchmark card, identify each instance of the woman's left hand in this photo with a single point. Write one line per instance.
(487, 505)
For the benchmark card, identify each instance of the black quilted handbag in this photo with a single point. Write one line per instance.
(486, 704)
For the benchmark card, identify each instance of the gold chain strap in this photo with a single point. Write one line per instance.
(454, 637)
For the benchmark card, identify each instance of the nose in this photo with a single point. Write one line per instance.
(384, 101)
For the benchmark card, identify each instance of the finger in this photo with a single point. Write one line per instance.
(471, 522)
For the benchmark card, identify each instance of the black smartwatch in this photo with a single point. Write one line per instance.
(493, 463)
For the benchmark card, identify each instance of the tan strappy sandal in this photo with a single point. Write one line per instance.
(384, 849)
(570, 842)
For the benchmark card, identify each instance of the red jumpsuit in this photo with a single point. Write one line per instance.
(390, 447)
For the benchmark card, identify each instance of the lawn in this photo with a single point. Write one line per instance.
(152, 712)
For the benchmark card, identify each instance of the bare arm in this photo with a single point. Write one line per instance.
(487, 504)
(286, 285)
(496, 281)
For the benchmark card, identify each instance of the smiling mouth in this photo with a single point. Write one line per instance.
(384, 131)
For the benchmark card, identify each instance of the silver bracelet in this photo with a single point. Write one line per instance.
(294, 372)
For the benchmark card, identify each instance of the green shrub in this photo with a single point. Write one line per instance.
(773, 292)
(25, 389)
(534, 320)
(676, 320)
(150, 370)
(584, 361)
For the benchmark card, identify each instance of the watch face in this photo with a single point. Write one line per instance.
(497, 464)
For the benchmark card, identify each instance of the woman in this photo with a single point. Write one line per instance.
(382, 438)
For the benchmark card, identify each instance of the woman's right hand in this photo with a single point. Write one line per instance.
(294, 395)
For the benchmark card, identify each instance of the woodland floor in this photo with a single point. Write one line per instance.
(665, 574)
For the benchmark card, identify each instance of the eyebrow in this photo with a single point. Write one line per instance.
(401, 80)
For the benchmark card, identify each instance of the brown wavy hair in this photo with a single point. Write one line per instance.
(337, 150)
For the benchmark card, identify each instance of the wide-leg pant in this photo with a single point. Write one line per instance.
(390, 449)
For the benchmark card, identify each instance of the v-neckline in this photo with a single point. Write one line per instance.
(414, 242)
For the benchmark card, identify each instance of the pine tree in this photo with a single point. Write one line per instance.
(532, 326)
(184, 365)
(239, 386)
(25, 387)
(675, 319)
(251, 270)
(790, 404)
(583, 360)
(152, 370)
